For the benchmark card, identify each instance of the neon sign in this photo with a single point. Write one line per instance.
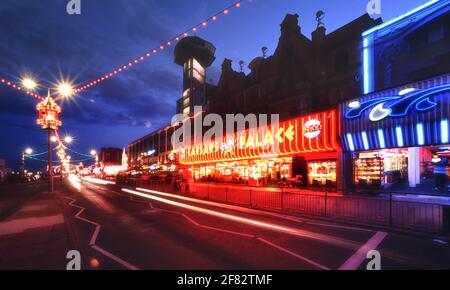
(397, 106)
(312, 129)
(313, 133)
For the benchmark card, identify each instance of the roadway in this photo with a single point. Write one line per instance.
(129, 228)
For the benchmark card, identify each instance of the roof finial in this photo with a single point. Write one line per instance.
(319, 18)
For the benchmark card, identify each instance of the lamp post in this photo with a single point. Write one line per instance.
(48, 116)
(27, 151)
(94, 153)
(48, 119)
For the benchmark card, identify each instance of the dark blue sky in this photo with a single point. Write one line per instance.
(41, 39)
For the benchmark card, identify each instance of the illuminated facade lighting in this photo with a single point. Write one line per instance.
(420, 134)
(351, 145)
(381, 138)
(399, 134)
(365, 140)
(444, 131)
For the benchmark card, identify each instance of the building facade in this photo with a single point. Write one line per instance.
(365, 106)
(396, 133)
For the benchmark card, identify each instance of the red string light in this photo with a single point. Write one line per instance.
(20, 89)
(154, 51)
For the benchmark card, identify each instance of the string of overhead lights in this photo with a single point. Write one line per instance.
(79, 153)
(56, 161)
(161, 47)
(20, 89)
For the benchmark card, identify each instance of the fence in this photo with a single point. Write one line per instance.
(387, 209)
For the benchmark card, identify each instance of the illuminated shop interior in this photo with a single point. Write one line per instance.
(384, 168)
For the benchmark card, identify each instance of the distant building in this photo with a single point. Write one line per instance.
(110, 156)
(154, 148)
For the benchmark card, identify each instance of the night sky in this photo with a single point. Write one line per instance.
(38, 38)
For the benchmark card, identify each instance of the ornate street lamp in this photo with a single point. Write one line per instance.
(48, 118)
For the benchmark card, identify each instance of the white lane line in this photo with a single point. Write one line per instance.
(94, 237)
(358, 258)
(262, 240)
(115, 258)
(322, 267)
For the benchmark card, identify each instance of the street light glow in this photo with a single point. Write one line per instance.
(29, 151)
(68, 139)
(29, 83)
(93, 152)
(65, 89)
(54, 139)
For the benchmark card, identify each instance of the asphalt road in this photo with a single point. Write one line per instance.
(134, 229)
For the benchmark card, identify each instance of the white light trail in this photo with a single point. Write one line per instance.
(260, 224)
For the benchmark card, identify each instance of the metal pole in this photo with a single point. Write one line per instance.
(50, 162)
(22, 165)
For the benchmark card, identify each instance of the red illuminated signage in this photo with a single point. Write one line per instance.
(313, 133)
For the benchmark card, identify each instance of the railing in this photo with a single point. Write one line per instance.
(386, 209)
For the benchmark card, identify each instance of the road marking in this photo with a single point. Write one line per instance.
(278, 247)
(253, 211)
(20, 225)
(322, 267)
(94, 237)
(275, 227)
(358, 258)
(115, 258)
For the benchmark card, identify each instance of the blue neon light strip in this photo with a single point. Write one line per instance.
(398, 132)
(365, 140)
(351, 145)
(386, 24)
(420, 134)
(444, 131)
(381, 138)
(366, 65)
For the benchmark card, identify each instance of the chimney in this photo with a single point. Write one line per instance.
(290, 25)
(318, 34)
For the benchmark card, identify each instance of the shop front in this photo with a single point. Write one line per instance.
(298, 152)
(395, 139)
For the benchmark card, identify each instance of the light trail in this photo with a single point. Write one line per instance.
(97, 181)
(75, 181)
(265, 225)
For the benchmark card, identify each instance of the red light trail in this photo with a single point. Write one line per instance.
(261, 224)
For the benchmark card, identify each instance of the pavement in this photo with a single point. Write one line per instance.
(34, 236)
(120, 228)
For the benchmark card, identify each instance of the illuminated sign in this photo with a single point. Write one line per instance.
(313, 133)
(412, 116)
(48, 114)
(397, 106)
(313, 128)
